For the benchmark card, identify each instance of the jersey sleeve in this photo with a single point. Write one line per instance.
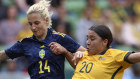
(15, 51)
(69, 43)
(121, 57)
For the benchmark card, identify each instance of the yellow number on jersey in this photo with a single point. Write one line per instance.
(86, 66)
(45, 67)
(41, 71)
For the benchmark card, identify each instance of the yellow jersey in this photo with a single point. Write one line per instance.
(109, 64)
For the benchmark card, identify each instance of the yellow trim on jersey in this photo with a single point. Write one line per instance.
(57, 33)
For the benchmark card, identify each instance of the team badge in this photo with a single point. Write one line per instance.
(42, 54)
(102, 58)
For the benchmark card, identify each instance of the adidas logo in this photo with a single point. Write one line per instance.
(42, 46)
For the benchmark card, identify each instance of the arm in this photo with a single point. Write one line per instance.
(73, 60)
(58, 49)
(81, 48)
(134, 57)
(3, 56)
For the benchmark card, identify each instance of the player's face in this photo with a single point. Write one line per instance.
(95, 44)
(37, 24)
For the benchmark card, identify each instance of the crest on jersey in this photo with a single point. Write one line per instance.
(102, 58)
(41, 53)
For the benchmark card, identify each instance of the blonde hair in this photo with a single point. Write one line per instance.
(42, 7)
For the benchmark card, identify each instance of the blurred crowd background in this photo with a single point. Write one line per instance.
(73, 17)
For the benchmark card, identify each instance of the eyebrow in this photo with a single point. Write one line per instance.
(91, 36)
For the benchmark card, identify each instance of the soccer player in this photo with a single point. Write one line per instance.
(43, 63)
(100, 61)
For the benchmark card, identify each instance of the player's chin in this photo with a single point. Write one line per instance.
(89, 52)
(37, 34)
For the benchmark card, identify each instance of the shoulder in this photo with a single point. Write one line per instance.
(62, 38)
(25, 39)
(58, 34)
(116, 52)
(113, 52)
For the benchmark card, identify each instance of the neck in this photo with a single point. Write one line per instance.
(100, 51)
(103, 52)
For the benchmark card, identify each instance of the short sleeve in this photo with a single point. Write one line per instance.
(121, 57)
(69, 43)
(15, 51)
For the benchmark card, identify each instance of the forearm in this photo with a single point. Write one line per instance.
(3, 56)
(81, 48)
(69, 57)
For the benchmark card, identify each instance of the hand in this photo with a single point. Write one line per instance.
(77, 56)
(57, 48)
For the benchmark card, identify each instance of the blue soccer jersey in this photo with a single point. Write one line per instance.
(43, 64)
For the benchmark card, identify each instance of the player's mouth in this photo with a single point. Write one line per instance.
(35, 32)
(88, 49)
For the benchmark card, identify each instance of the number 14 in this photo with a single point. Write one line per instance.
(45, 67)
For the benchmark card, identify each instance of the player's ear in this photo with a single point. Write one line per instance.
(105, 42)
(47, 19)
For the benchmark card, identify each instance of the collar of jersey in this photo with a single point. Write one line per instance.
(102, 53)
(48, 33)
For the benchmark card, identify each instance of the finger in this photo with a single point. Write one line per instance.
(74, 60)
(51, 47)
(75, 56)
(52, 43)
(78, 55)
(59, 50)
(81, 54)
(54, 49)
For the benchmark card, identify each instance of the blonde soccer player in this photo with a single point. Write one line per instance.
(43, 63)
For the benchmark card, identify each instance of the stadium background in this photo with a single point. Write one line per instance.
(72, 17)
